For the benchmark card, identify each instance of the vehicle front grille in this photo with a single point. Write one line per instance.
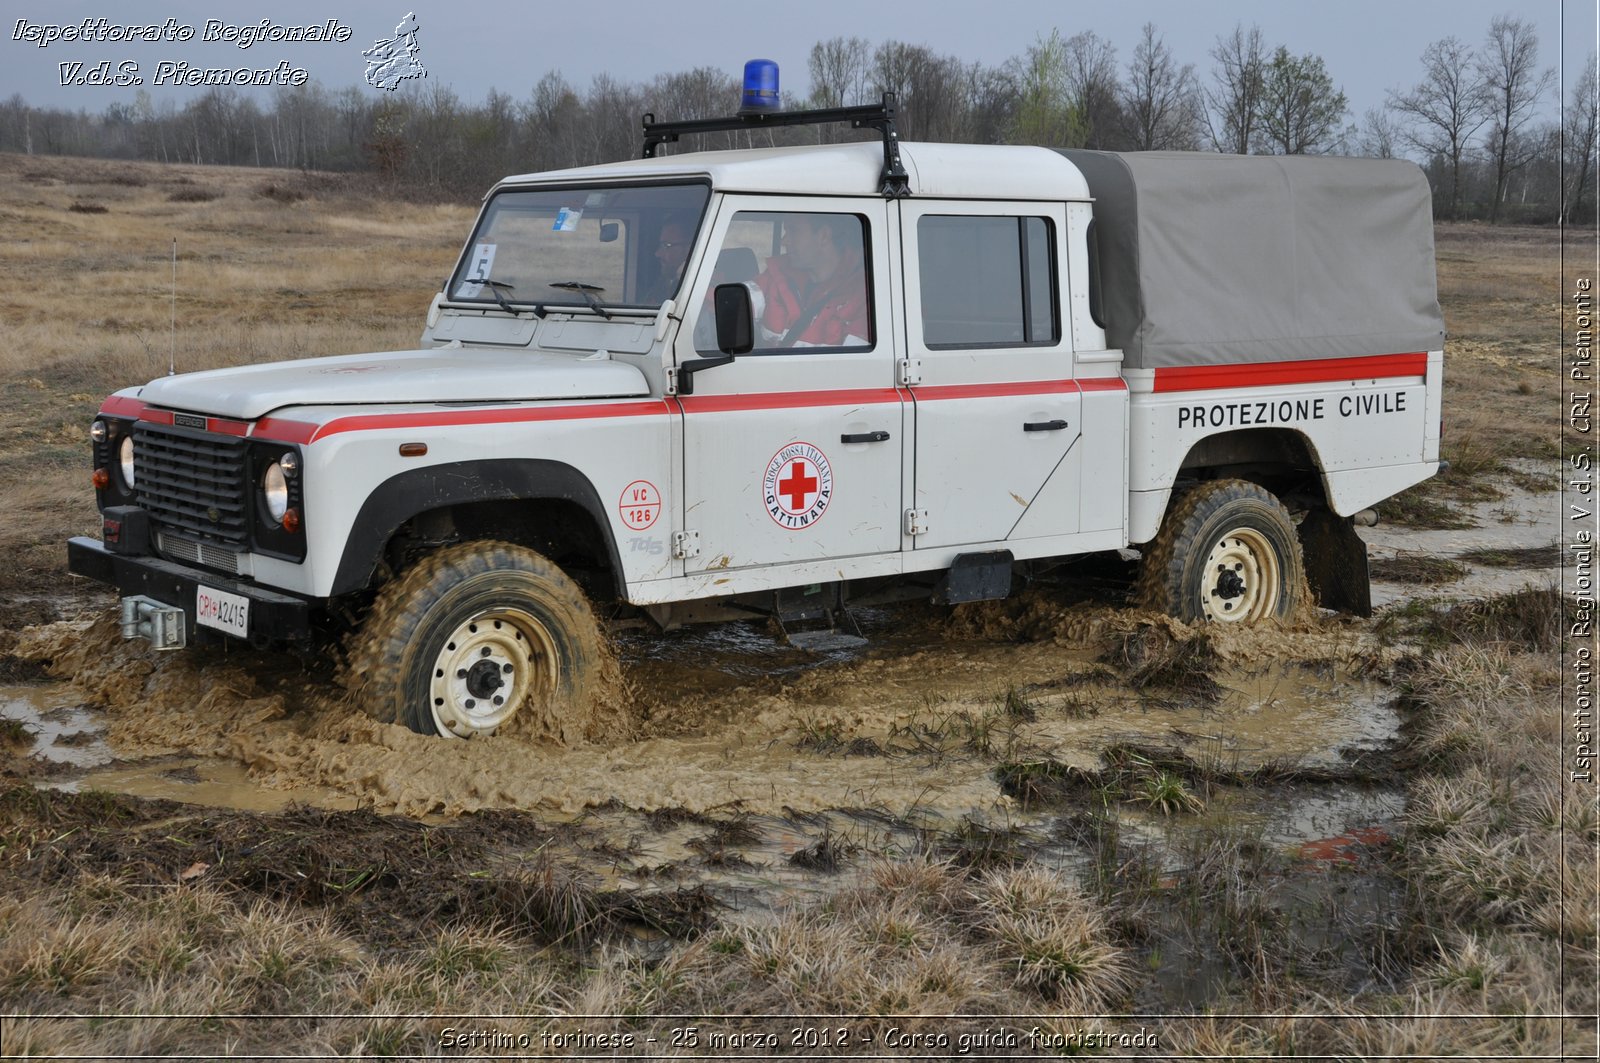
(207, 555)
(192, 482)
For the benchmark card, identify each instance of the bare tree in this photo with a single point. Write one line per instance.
(611, 120)
(1235, 99)
(1160, 99)
(1509, 69)
(1301, 110)
(554, 116)
(1379, 134)
(704, 92)
(1093, 87)
(1579, 133)
(993, 109)
(1445, 109)
(933, 91)
(839, 72)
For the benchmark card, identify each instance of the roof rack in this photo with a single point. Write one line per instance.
(894, 182)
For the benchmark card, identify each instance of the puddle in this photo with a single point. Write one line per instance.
(1289, 715)
(201, 781)
(63, 730)
(1521, 520)
(1289, 875)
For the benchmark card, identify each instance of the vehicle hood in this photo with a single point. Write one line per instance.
(455, 375)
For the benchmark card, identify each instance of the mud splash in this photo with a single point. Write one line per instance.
(733, 719)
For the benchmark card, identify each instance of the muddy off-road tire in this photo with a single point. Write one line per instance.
(472, 635)
(1228, 552)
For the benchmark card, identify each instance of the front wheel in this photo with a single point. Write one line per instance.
(473, 636)
(1226, 552)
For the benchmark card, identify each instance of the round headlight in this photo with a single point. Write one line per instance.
(127, 462)
(290, 463)
(276, 490)
(98, 431)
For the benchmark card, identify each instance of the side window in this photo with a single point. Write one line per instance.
(808, 280)
(987, 281)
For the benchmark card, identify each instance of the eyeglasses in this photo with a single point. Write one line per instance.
(667, 245)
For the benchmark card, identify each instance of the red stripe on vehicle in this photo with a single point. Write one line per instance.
(995, 391)
(1315, 371)
(1105, 383)
(443, 419)
(786, 400)
(279, 430)
(122, 406)
(226, 427)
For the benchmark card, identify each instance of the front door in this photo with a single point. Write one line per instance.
(792, 452)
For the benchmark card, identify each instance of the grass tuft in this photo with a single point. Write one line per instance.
(1167, 793)
(1154, 658)
(1411, 569)
(15, 736)
(193, 194)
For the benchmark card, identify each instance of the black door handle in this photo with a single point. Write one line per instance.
(1043, 426)
(865, 437)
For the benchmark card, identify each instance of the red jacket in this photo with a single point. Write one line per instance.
(838, 310)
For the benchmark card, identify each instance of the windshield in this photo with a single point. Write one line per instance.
(587, 247)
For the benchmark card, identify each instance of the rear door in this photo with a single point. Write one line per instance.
(998, 414)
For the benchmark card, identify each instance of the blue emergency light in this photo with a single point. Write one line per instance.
(760, 87)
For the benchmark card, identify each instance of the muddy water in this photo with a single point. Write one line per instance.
(63, 730)
(1519, 520)
(732, 719)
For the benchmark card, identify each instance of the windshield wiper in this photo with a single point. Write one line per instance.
(587, 291)
(505, 304)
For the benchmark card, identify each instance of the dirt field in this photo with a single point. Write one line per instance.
(1071, 822)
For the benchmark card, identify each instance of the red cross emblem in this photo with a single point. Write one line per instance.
(797, 486)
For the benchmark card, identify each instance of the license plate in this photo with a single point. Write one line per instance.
(223, 611)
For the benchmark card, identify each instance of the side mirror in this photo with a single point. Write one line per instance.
(735, 319)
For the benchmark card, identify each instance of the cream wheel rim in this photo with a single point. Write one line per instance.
(488, 667)
(1239, 581)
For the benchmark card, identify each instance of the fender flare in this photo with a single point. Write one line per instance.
(417, 491)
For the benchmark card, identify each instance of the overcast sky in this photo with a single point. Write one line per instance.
(1370, 46)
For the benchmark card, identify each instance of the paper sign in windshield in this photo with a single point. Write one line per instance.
(567, 220)
(480, 269)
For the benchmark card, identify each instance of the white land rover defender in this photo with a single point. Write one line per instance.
(777, 382)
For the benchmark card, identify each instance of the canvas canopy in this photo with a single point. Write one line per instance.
(1210, 259)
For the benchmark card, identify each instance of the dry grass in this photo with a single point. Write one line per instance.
(1491, 841)
(310, 268)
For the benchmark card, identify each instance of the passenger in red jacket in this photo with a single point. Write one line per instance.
(815, 294)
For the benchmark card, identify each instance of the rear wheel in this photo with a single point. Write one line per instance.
(471, 637)
(1226, 552)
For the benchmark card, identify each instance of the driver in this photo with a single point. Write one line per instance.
(672, 251)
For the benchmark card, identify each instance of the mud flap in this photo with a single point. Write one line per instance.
(980, 577)
(1336, 562)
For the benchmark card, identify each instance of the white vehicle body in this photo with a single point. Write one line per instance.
(796, 467)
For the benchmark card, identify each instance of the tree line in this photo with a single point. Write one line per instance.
(1471, 119)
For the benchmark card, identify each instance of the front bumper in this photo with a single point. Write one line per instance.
(274, 617)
